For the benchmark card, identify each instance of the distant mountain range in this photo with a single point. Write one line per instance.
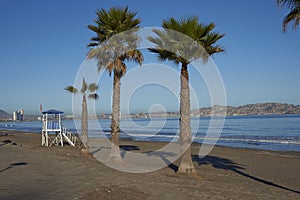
(249, 109)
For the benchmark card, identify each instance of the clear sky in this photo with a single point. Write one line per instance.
(43, 43)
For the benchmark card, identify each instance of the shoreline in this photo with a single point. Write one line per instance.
(34, 172)
(164, 142)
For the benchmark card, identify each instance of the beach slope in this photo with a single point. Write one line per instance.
(29, 171)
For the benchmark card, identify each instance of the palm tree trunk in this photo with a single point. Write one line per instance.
(115, 122)
(186, 164)
(84, 122)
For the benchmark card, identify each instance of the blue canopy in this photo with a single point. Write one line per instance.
(52, 111)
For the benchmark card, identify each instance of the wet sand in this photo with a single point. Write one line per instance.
(29, 171)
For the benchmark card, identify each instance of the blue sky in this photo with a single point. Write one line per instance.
(43, 43)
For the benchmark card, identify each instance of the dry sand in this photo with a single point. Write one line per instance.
(29, 171)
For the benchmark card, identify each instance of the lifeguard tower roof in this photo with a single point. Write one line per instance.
(52, 111)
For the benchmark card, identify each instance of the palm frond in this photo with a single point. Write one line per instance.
(93, 87)
(294, 15)
(109, 67)
(288, 3)
(95, 39)
(94, 29)
(94, 96)
(84, 86)
(133, 55)
(71, 89)
(93, 44)
(166, 55)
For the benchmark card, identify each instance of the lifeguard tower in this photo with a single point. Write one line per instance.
(52, 125)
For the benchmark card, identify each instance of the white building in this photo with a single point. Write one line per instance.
(18, 115)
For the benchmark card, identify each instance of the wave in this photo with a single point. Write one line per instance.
(257, 141)
(200, 139)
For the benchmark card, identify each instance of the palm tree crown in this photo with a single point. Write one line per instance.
(110, 50)
(180, 47)
(293, 15)
(112, 22)
(85, 88)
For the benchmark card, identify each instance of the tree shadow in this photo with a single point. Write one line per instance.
(163, 155)
(13, 165)
(216, 162)
(125, 148)
(5, 142)
(99, 149)
(226, 164)
(129, 148)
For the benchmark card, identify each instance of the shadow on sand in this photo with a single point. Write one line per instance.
(216, 162)
(163, 155)
(226, 164)
(5, 142)
(125, 148)
(13, 165)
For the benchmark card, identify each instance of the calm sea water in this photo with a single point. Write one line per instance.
(276, 132)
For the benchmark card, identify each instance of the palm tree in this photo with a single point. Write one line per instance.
(115, 43)
(172, 44)
(293, 15)
(88, 90)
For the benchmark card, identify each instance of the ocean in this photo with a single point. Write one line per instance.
(272, 132)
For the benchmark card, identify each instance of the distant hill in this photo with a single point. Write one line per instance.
(250, 109)
(4, 114)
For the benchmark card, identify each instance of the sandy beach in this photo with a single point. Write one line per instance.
(30, 171)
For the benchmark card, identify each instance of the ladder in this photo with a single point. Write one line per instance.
(69, 136)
